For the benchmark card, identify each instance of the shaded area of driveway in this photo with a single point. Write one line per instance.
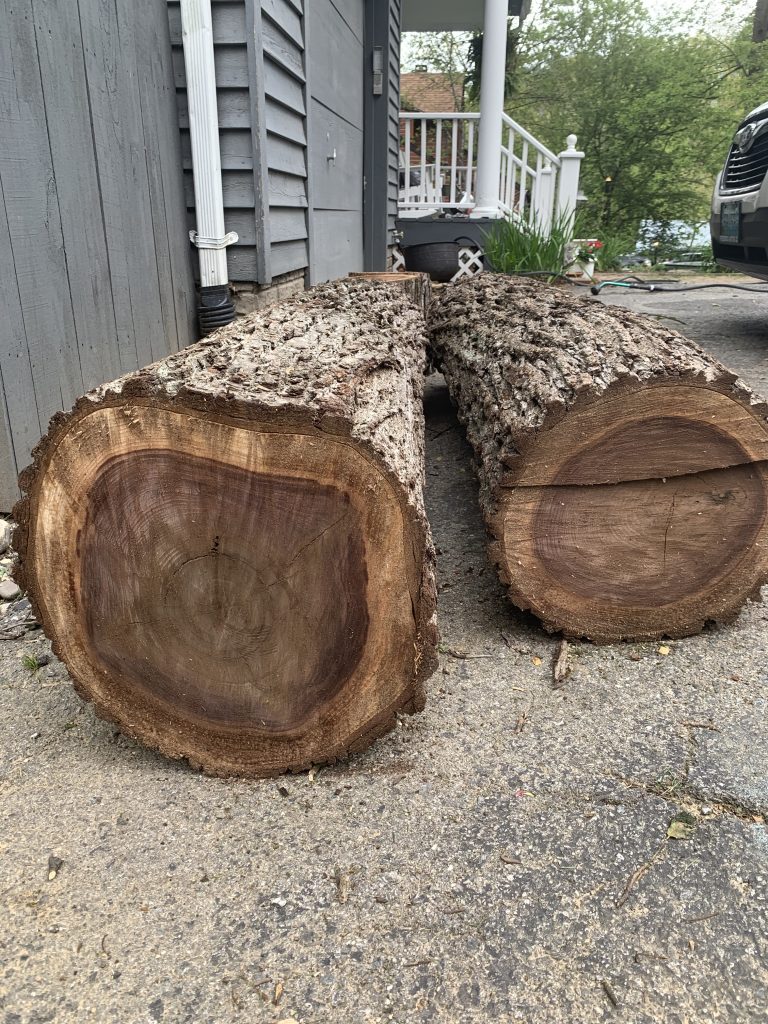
(503, 856)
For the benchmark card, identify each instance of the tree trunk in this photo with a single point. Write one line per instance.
(623, 474)
(760, 22)
(228, 549)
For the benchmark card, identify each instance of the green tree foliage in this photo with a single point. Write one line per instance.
(447, 53)
(654, 101)
(654, 94)
(475, 65)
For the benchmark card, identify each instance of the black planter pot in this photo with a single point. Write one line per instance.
(438, 259)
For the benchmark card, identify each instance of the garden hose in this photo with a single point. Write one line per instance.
(634, 282)
(646, 286)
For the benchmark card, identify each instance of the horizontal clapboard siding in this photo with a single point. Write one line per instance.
(259, 56)
(285, 134)
(393, 123)
(235, 127)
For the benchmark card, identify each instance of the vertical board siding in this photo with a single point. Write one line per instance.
(382, 133)
(33, 215)
(335, 101)
(97, 277)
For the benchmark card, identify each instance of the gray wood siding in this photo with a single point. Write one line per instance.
(259, 54)
(335, 61)
(96, 266)
(235, 127)
(285, 135)
(393, 115)
(382, 132)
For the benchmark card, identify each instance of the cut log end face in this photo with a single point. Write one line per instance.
(241, 597)
(251, 584)
(639, 517)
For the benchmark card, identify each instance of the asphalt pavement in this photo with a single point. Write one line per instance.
(596, 852)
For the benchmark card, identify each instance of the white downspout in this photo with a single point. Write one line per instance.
(215, 307)
(492, 77)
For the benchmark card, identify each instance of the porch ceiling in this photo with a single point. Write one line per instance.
(451, 15)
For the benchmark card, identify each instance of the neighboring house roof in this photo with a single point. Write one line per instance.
(431, 91)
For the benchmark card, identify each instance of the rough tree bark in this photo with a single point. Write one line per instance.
(623, 473)
(228, 549)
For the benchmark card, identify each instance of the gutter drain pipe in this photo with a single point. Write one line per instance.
(215, 308)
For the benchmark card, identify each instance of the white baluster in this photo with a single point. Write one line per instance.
(423, 190)
(510, 169)
(470, 157)
(407, 161)
(454, 158)
(536, 187)
(438, 159)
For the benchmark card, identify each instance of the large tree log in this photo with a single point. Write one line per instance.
(229, 550)
(623, 474)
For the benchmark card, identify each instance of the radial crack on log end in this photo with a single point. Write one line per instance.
(622, 470)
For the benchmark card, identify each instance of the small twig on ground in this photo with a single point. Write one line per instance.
(649, 956)
(638, 873)
(607, 988)
(440, 433)
(462, 655)
(664, 316)
(561, 668)
(704, 917)
(701, 725)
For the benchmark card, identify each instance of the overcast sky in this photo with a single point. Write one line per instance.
(716, 9)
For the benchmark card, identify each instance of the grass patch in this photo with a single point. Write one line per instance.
(526, 245)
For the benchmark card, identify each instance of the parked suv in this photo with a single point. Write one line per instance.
(739, 221)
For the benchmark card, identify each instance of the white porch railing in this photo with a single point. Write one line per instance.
(438, 168)
(437, 160)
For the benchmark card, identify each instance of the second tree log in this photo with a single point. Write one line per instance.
(622, 469)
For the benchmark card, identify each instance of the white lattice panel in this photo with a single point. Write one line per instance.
(470, 262)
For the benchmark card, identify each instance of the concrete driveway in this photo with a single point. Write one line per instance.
(502, 857)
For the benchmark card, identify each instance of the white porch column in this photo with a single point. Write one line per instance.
(491, 108)
(568, 182)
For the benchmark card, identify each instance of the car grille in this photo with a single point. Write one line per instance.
(745, 171)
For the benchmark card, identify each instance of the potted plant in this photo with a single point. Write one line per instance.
(582, 257)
